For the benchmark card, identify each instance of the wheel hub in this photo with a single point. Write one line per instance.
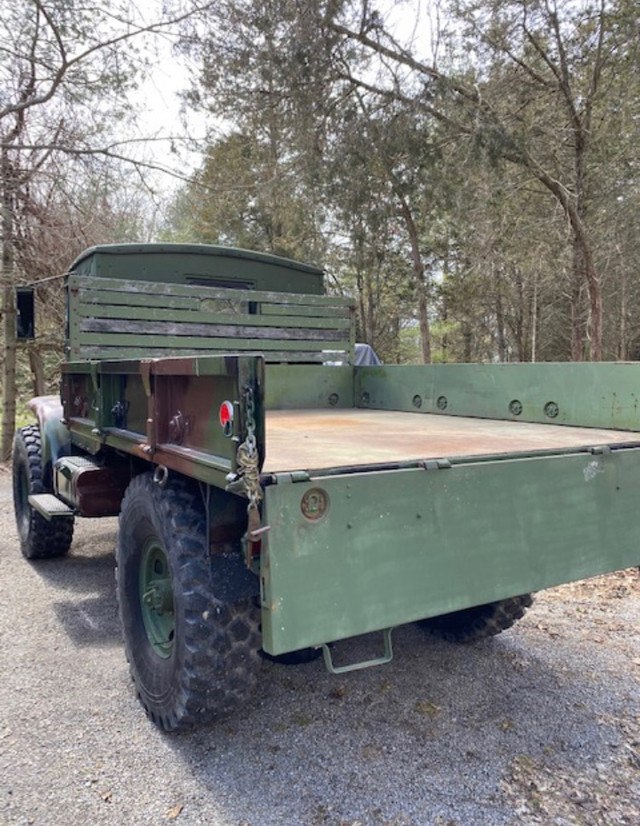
(159, 597)
(156, 598)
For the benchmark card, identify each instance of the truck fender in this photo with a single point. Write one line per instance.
(54, 435)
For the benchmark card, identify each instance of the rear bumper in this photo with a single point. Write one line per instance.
(400, 545)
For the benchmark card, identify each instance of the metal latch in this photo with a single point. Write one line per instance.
(435, 464)
(294, 476)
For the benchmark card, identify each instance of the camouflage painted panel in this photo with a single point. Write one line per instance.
(168, 411)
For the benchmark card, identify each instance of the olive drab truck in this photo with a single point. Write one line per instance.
(275, 498)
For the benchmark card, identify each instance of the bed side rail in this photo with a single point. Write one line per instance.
(604, 395)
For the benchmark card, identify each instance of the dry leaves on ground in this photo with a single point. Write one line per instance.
(608, 586)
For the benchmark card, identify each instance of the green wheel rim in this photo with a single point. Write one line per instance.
(156, 598)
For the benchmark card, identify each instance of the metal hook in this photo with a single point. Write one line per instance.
(160, 475)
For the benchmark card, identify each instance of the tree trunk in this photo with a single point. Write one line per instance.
(520, 316)
(467, 338)
(583, 256)
(584, 272)
(364, 331)
(418, 278)
(425, 334)
(596, 310)
(37, 371)
(622, 334)
(576, 312)
(444, 342)
(534, 319)
(371, 314)
(9, 311)
(502, 342)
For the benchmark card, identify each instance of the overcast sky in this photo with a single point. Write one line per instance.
(160, 112)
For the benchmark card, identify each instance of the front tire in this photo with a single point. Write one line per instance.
(193, 658)
(479, 622)
(39, 538)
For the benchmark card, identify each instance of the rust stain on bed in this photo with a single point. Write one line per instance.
(309, 439)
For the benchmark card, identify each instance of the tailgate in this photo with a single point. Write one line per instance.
(399, 545)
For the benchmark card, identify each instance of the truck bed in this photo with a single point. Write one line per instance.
(315, 440)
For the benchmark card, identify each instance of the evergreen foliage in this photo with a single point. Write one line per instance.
(474, 184)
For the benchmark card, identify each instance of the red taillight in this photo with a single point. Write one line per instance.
(225, 414)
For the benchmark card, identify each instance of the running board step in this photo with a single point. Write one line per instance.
(343, 669)
(50, 506)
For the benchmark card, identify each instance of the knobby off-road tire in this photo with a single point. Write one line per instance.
(192, 657)
(39, 538)
(479, 622)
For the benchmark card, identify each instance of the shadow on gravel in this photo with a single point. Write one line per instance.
(430, 739)
(88, 569)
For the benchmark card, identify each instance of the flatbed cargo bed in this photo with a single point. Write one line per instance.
(255, 464)
(321, 439)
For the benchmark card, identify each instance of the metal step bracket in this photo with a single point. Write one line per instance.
(343, 669)
(49, 506)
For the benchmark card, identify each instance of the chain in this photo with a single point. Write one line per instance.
(250, 411)
(248, 469)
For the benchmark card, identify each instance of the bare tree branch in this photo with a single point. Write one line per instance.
(67, 63)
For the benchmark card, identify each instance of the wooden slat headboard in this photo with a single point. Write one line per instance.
(112, 318)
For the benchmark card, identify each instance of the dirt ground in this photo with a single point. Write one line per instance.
(538, 726)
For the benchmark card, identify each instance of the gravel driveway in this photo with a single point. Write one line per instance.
(540, 725)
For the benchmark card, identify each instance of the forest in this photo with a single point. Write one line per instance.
(467, 170)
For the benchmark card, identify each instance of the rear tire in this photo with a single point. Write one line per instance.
(39, 537)
(479, 622)
(193, 658)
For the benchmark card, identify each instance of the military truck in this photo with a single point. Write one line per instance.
(274, 498)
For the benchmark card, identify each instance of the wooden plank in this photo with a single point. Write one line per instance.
(156, 288)
(120, 319)
(300, 310)
(199, 343)
(91, 352)
(98, 297)
(106, 298)
(174, 315)
(169, 328)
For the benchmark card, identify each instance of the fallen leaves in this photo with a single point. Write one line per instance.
(338, 692)
(616, 585)
(427, 709)
(545, 791)
(507, 724)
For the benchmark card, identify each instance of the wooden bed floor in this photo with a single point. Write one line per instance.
(313, 439)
